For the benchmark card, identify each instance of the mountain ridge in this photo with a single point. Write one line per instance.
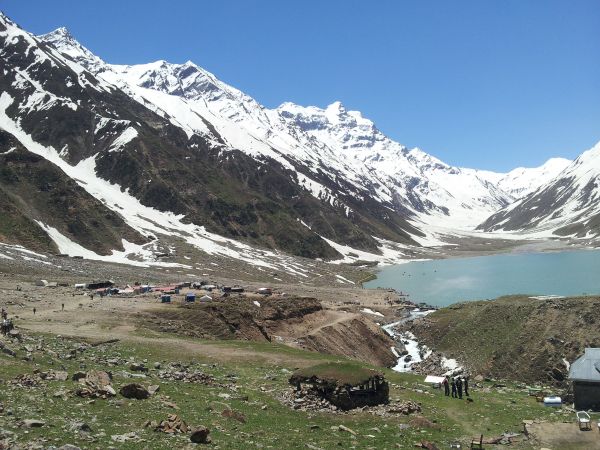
(343, 187)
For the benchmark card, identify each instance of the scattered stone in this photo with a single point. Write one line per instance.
(157, 365)
(138, 367)
(135, 390)
(33, 423)
(54, 375)
(200, 435)
(96, 384)
(132, 436)
(232, 414)
(422, 422)
(6, 350)
(68, 447)
(346, 429)
(173, 424)
(25, 381)
(405, 408)
(78, 376)
(153, 389)
(80, 426)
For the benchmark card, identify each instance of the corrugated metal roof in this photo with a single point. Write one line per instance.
(586, 367)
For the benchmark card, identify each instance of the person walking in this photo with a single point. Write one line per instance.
(63, 306)
(34, 311)
(467, 385)
(446, 384)
(453, 384)
(459, 387)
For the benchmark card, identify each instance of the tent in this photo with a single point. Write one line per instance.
(205, 298)
(190, 297)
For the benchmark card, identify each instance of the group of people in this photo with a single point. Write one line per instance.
(456, 385)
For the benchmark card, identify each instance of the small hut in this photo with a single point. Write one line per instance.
(585, 375)
(345, 385)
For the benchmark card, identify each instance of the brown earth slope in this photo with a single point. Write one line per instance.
(297, 321)
(514, 337)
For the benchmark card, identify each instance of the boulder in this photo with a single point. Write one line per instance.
(134, 390)
(6, 350)
(138, 367)
(78, 376)
(232, 414)
(98, 377)
(33, 423)
(200, 435)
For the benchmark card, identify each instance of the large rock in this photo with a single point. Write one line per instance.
(200, 435)
(33, 423)
(135, 390)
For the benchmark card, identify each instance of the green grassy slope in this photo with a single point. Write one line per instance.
(269, 424)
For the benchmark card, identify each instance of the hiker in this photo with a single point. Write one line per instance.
(446, 386)
(459, 387)
(453, 384)
(466, 383)
(34, 311)
(63, 306)
(4, 314)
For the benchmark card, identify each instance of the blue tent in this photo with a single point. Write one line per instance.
(190, 297)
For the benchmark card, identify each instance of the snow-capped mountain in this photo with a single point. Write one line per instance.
(159, 177)
(567, 205)
(333, 142)
(521, 181)
(170, 150)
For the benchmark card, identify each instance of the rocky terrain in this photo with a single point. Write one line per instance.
(521, 338)
(134, 391)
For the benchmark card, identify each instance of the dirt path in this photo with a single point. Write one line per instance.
(564, 436)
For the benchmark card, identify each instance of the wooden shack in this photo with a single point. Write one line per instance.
(584, 373)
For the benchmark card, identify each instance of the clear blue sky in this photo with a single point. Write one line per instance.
(484, 84)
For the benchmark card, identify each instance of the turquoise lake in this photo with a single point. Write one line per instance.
(446, 281)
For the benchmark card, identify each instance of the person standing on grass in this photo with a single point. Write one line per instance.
(453, 384)
(459, 387)
(467, 385)
(446, 384)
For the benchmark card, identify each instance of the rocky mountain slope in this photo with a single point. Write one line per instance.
(567, 205)
(331, 141)
(527, 339)
(176, 153)
(162, 180)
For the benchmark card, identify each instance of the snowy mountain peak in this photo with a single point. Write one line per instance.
(331, 140)
(58, 34)
(63, 41)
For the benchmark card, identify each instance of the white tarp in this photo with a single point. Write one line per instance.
(433, 379)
